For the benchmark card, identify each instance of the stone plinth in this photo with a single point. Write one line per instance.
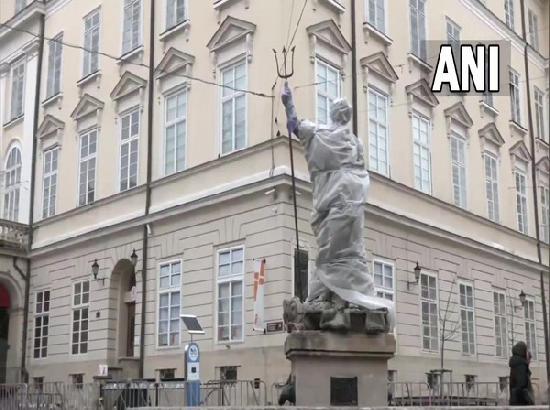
(324, 363)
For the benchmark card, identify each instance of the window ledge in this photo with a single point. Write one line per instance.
(130, 55)
(414, 59)
(336, 4)
(14, 121)
(89, 78)
(169, 32)
(489, 109)
(517, 127)
(220, 3)
(370, 30)
(56, 98)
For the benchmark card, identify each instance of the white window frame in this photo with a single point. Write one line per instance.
(418, 14)
(539, 112)
(87, 159)
(493, 206)
(172, 6)
(18, 73)
(230, 279)
(82, 305)
(530, 323)
(468, 309)
(522, 207)
(500, 317)
(90, 64)
(533, 22)
(515, 97)
(545, 213)
(127, 6)
(381, 290)
(429, 301)
(509, 13)
(125, 178)
(12, 184)
(324, 94)
(182, 92)
(171, 290)
(41, 324)
(375, 125)
(459, 166)
(453, 34)
(422, 181)
(55, 66)
(233, 95)
(49, 181)
(376, 21)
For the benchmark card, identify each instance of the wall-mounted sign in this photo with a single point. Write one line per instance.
(274, 327)
(103, 370)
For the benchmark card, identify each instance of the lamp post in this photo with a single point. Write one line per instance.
(95, 272)
(417, 271)
(515, 308)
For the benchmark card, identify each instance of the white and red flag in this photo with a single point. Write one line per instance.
(259, 281)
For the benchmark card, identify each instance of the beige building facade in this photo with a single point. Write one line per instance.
(160, 130)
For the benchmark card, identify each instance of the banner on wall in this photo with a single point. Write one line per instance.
(259, 283)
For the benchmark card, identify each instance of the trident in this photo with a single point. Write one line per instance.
(285, 73)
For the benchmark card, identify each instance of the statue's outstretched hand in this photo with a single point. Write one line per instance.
(286, 95)
(291, 115)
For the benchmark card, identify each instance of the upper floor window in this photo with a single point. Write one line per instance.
(230, 294)
(418, 28)
(175, 132)
(378, 132)
(458, 163)
(384, 285)
(545, 213)
(41, 324)
(467, 318)
(533, 29)
(509, 13)
(50, 182)
(12, 185)
(453, 35)
(91, 43)
(422, 154)
(129, 149)
(530, 327)
(88, 155)
(521, 201)
(81, 299)
(376, 14)
(234, 121)
(491, 186)
(430, 312)
(20, 5)
(328, 89)
(54, 66)
(175, 12)
(539, 112)
(169, 304)
(501, 332)
(514, 96)
(132, 26)
(17, 88)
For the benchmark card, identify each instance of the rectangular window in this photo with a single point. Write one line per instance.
(539, 112)
(175, 132)
(418, 28)
(384, 286)
(301, 273)
(533, 30)
(77, 379)
(453, 35)
(530, 327)
(514, 97)
(422, 154)
(169, 304)
(521, 201)
(467, 318)
(491, 186)
(234, 78)
(50, 182)
(545, 214)
(328, 89)
(17, 89)
(378, 132)
(131, 34)
(54, 66)
(91, 43)
(129, 144)
(509, 13)
(488, 99)
(501, 328)
(41, 322)
(167, 374)
(88, 156)
(175, 13)
(430, 314)
(230, 294)
(458, 160)
(81, 298)
(20, 5)
(376, 14)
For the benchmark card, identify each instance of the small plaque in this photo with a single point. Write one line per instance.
(274, 327)
(343, 391)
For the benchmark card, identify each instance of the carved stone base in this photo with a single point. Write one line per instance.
(339, 369)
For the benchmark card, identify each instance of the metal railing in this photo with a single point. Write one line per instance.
(13, 234)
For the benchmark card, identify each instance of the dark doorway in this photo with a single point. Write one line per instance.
(5, 306)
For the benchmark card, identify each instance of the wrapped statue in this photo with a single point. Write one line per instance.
(341, 292)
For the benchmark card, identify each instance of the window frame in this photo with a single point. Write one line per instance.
(174, 94)
(87, 69)
(131, 138)
(20, 64)
(139, 44)
(522, 201)
(503, 316)
(383, 289)
(495, 191)
(80, 307)
(422, 146)
(515, 96)
(545, 212)
(538, 96)
(49, 175)
(468, 309)
(44, 313)
(462, 166)
(375, 19)
(431, 349)
(171, 289)
(170, 25)
(378, 95)
(54, 59)
(87, 159)
(329, 66)
(509, 14)
(12, 191)
(528, 322)
(533, 29)
(418, 49)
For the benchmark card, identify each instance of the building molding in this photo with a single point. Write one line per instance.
(378, 64)
(490, 134)
(87, 105)
(231, 31)
(51, 128)
(457, 112)
(519, 152)
(128, 84)
(327, 34)
(174, 61)
(420, 91)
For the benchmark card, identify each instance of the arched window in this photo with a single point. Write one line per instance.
(12, 185)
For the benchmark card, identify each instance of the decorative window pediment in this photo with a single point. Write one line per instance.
(458, 114)
(231, 32)
(174, 61)
(128, 84)
(50, 129)
(86, 105)
(543, 169)
(420, 91)
(328, 35)
(490, 134)
(519, 152)
(379, 64)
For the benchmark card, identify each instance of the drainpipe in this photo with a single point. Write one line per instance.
(145, 242)
(354, 69)
(26, 278)
(535, 192)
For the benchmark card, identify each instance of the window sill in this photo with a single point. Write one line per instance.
(56, 98)
(517, 127)
(488, 109)
(220, 3)
(371, 31)
(336, 4)
(414, 59)
(14, 121)
(169, 32)
(89, 78)
(130, 55)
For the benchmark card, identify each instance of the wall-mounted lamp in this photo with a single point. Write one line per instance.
(522, 299)
(134, 257)
(95, 271)
(417, 270)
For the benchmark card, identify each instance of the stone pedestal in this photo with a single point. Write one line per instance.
(331, 368)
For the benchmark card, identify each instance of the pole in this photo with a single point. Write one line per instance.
(354, 99)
